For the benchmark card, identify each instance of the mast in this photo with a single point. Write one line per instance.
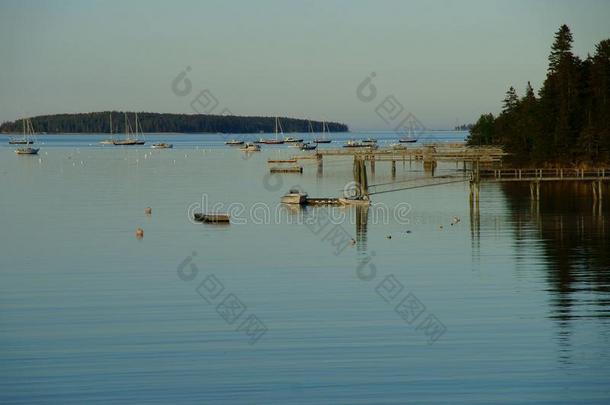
(126, 133)
(111, 124)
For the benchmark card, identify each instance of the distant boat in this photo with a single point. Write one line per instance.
(234, 142)
(398, 146)
(353, 143)
(23, 140)
(309, 146)
(324, 131)
(111, 140)
(290, 139)
(407, 139)
(162, 145)
(28, 130)
(250, 147)
(16, 141)
(294, 196)
(277, 140)
(369, 140)
(131, 138)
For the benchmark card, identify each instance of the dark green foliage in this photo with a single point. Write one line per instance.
(99, 122)
(570, 120)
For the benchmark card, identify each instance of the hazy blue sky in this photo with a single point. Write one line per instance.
(443, 60)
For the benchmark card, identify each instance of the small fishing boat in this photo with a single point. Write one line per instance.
(234, 142)
(324, 132)
(369, 140)
(162, 145)
(291, 139)
(250, 147)
(407, 139)
(294, 196)
(212, 218)
(27, 151)
(309, 146)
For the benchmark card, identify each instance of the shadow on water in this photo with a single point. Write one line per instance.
(570, 226)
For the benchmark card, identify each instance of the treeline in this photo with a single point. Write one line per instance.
(569, 120)
(99, 122)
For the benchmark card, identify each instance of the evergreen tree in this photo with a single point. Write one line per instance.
(511, 101)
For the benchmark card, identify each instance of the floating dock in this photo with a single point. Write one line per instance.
(287, 169)
(212, 218)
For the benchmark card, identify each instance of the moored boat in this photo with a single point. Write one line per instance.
(324, 139)
(28, 130)
(162, 145)
(250, 147)
(234, 142)
(353, 143)
(309, 146)
(278, 131)
(291, 139)
(407, 139)
(27, 151)
(16, 141)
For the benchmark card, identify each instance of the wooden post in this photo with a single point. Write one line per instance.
(372, 160)
(537, 190)
(393, 168)
(532, 190)
(594, 186)
(599, 189)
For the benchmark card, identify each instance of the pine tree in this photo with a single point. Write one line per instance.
(561, 48)
(511, 101)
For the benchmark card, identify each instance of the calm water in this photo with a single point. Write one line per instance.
(88, 313)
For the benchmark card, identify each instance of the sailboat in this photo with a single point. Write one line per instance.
(111, 140)
(129, 140)
(20, 141)
(323, 139)
(139, 141)
(28, 130)
(275, 141)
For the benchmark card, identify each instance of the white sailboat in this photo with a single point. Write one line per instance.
(28, 132)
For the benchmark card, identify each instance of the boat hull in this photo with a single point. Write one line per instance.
(27, 151)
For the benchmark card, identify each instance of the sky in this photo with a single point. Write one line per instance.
(442, 61)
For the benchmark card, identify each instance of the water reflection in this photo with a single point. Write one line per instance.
(362, 219)
(570, 227)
